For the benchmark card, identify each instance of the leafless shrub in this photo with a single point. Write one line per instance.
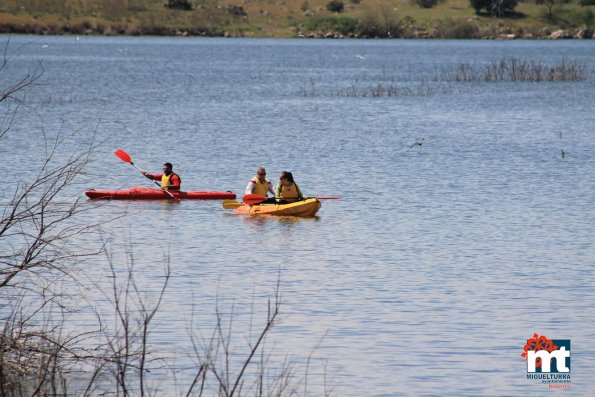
(252, 373)
(391, 89)
(9, 91)
(39, 246)
(514, 69)
(127, 349)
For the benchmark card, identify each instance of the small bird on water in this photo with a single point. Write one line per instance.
(418, 143)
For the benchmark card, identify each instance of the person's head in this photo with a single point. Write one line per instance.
(167, 168)
(261, 174)
(286, 177)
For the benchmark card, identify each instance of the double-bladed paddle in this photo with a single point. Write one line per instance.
(252, 199)
(125, 157)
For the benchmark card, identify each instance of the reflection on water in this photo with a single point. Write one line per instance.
(429, 274)
(264, 220)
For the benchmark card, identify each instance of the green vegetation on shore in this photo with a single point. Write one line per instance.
(297, 18)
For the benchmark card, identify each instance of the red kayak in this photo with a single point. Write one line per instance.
(145, 193)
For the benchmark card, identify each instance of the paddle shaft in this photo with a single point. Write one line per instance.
(252, 199)
(325, 197)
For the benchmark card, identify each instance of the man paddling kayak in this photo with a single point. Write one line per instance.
(169, 179)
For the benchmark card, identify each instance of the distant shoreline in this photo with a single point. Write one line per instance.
(66, 30)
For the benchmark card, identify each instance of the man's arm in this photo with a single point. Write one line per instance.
(155, 177)
(250, 187)
(174, 182)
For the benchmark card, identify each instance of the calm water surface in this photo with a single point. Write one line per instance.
(429, 274)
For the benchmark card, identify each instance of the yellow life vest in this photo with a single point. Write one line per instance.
(165, 179)
(261, 188)
(289, 192)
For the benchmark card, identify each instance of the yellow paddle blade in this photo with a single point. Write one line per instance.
(231, 204)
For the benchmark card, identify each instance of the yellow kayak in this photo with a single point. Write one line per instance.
(308, 207)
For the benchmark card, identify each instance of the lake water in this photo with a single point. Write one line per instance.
(429, 274)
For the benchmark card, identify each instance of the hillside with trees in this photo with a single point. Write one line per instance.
(458, 19)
